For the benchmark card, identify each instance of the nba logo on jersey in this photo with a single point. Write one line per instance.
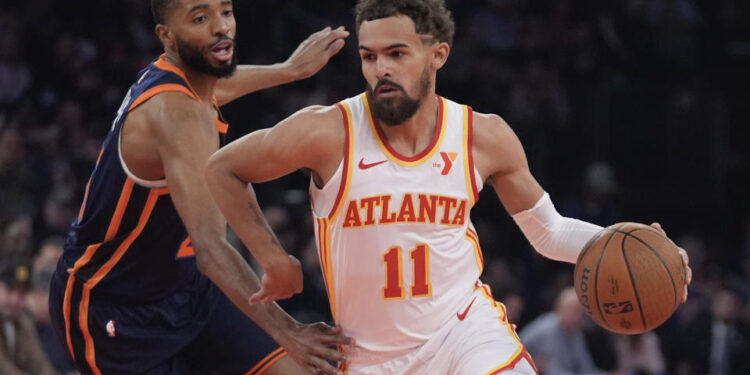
(110, 327)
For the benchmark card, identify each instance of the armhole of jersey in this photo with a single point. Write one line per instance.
(148, 94)
(326, 202)
(472, 174)
(322, 207)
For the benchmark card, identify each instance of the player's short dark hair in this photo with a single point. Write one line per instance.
(159, 10)
(430, 17)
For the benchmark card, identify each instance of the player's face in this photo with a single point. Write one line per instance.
(396, 66)
(11, 300)
(204, 32)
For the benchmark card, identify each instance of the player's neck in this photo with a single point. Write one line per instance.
(415, 134)
(203, 84)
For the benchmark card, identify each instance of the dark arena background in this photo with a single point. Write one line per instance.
(629, 110)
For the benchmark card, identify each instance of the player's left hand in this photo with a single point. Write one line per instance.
(315, 51)
(311, 345)
(685, 262)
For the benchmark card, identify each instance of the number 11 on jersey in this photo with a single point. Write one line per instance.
(394, 276)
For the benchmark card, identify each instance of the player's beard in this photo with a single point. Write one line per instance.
(395, 111)
(195, 58)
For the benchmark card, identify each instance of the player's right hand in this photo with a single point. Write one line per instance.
(311, 345)
(281, 280)
(315, 51)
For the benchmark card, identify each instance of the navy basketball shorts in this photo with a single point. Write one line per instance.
(195, 330)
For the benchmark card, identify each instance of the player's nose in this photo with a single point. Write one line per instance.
(382, 69)
(222, 25)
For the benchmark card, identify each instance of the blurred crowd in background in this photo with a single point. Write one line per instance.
(629, 110)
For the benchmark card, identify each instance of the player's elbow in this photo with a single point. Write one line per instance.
(216, 166)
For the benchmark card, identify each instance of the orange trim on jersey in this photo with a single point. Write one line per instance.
(87, 255)
(122, 203)
(186, 249)
(471, 183)
(267, 362)
(346, 175)
(88, 185)
(321, 246)
(85, 198)
(221, 126)
(474, 239)
(83, 315)
(392, 154)
(114, 225)
(167, 87)
(511, 364)
(163, 64)
(324, 234)
(518, 354)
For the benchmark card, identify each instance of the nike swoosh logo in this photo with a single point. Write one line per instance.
(462, 315)
(364, 166)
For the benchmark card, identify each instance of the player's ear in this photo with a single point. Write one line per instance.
(440, 52)
(165, 35)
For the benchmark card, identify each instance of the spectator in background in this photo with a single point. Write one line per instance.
(596, 203)
(15, 77)
(18, 238)
(37, 304)
(717, 343)
(20, 350)
(639, 354)
(16, 195)
(556, 339)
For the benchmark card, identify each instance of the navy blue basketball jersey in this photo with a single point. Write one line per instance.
(128, 241)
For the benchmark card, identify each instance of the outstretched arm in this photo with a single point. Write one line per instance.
(309, 57)
(500, 158)
(313, 139)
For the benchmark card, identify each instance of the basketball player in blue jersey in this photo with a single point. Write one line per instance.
(395, 171)
(143, 283)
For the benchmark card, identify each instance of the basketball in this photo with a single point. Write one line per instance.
(630, 278)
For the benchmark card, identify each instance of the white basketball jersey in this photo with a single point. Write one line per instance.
(398, 251)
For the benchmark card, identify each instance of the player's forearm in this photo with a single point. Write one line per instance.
(238, 203)
(553, 235)
(231, 273)
(250, 78)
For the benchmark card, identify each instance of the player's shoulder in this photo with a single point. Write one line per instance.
(319, 113)
(170, 106)
(318, 121)
(490, 127)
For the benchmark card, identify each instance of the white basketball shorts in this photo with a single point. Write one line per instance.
(481, 341)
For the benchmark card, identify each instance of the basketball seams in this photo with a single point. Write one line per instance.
(658, 256)
(596, 275)
(632, 279)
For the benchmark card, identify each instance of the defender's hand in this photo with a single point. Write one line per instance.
(280, 281)
(315, 51)
(685, 262)
(310, 345)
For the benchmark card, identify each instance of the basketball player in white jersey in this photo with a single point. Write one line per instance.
(395, 172)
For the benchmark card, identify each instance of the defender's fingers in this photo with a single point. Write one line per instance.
(323, 366)
(335, 47)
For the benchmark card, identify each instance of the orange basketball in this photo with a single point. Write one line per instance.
(630, 278)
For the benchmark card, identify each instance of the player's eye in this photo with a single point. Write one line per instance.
(368, 57)
(397, 54)
(200, 19)
(228, 13)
